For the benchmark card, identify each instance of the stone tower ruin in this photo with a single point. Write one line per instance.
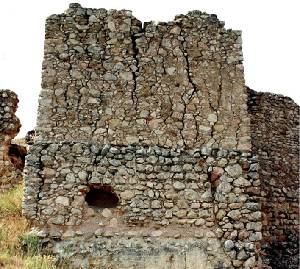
(150, 150)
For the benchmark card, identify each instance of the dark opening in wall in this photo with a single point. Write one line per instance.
(101, 196)
(16, 154)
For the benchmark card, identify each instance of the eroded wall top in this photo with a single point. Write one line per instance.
(10, 172)
(9, 123)
(108, 79)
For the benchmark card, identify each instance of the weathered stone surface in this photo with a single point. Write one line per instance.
(234, 170)
(275, 140)
(62, 200)
(178, 185)
(228, 245)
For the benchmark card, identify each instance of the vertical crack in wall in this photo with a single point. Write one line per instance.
(219, 94)
(197, 127)
(188, 68)
(209, 101)
(187, 100)
(182, 120)
(135, 73)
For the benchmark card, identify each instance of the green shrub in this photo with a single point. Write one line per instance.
(31, 244)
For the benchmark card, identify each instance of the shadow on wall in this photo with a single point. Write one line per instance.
(101, 196)
(16, 154)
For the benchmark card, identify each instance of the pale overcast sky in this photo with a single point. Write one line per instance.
(271, 40)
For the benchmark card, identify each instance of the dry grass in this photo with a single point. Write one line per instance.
(13, 227)
(11, 202)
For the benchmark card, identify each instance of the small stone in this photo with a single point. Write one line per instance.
(113, 223)
(127, 195)
(175, 30)
(111, 26)
(54, 233)
(250, 263)
(82, 175)
(224, 187)
(69, 233)
(152, 159)
(132, 139)
(255, 226)
(106, 213)
(178, 185)
(151, 193)
(62, 200)
(220, 214)
(228, 245)
(176, 169)
(178, 235)
(108, 234)
(234, 170)
(59, 219)
(192, 215)
(180, 213)
(199, 234)
(234, 214)
(210, 234)
(205, 150)
(249, 246)
(76, 74)
(242, 255)
(109, 77)
(98, 232)
(241, 182)
(206, 196)
(243, 234)
(93, 19)
(200, 222)
(216, 173)
(127, 76)
(59, 92)
(181, 203)
(49, 172)
(79, 49)
(191, 195)
(90, 212)
(155, 204)
(212, 118)
(156, 233)
(252, 206)
(237, 263)
(170, 70)
(257, 236)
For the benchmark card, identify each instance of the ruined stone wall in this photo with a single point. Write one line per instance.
(155, 115)
(275, 140)
(164, 193)
(9, 127)
(177, 84)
